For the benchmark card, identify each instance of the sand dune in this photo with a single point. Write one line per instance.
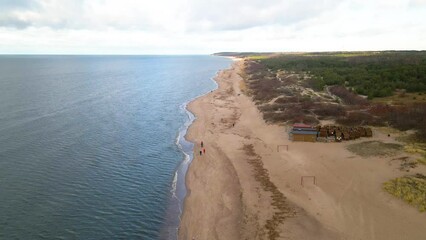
(243, 188)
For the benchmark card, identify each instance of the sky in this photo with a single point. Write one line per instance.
(204, 27)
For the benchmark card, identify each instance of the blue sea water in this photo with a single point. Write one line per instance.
(91, 147)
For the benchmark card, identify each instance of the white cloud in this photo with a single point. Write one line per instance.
(192, 26)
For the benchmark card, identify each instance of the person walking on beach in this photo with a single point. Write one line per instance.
(204, 150)
(201, 153)
(202, 144)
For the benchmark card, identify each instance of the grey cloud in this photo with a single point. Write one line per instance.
(9, 7)
(21, 14)
(63, 14)
(17, 4)
(13, 22)
(234, 15)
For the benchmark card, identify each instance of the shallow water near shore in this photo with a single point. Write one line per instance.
(91, 147)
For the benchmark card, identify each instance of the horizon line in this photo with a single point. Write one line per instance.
(201, 54)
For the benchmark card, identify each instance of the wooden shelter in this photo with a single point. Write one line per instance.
(368, 132)
(304, 136)
(304, 133)
(307, 133)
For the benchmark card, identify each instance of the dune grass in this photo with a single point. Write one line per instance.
(411, 189)
(375, 148)
(417, 148)
(422, 160)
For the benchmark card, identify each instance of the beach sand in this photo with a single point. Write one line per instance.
(244, 188)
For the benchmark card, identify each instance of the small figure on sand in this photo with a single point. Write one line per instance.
(201, 153)
(202, 144)
(233, 124)
(204, 150)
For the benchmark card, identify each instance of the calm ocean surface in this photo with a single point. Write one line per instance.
(90, 147)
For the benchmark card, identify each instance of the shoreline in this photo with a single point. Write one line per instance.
(189, 137)
(243, 188)
(179, 188)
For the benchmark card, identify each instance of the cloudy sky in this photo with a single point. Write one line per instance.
(207, 26)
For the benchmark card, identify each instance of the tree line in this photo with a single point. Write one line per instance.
(374, 74)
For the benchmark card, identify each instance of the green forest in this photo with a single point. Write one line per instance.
(374, 74)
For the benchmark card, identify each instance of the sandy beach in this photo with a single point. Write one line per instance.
(247, 185)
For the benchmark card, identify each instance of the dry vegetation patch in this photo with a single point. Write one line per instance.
(419, 148)
(375, 148)
(405, 163)
(414, 145)
(284, 97)
(347, 96)
(279, 201)
(402, 98)
(411, 189)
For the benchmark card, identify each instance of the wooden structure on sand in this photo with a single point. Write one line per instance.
(329, 133)
(303, 133)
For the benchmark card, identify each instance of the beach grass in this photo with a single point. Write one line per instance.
(411, 189)
(414, 145)
(417, 148)
(422, 160)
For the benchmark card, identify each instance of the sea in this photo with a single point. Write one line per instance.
(93, 147)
